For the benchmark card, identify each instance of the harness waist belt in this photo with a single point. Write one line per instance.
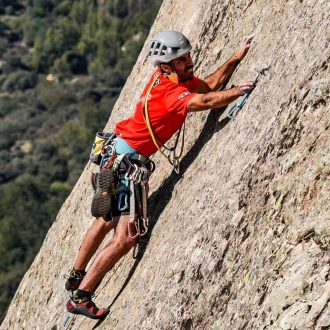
(140, 158)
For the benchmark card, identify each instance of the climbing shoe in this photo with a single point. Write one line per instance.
(74, 279)
(101, 203)
(85, 306)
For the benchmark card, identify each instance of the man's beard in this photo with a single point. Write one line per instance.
(188, 75)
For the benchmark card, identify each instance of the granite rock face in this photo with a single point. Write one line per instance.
(240, 239)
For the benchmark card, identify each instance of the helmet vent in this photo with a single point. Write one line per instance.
(163, 50)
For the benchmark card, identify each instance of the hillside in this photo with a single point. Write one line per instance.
(240, 239)
(62, 67)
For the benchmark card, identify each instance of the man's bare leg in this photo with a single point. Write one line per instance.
(108, 257)
(92, 241)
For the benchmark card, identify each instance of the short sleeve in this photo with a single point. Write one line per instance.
(177, 97)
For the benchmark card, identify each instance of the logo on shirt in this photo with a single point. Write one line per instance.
(183, 95)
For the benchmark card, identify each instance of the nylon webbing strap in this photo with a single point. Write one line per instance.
(133, 195)
(117, 161)
(132, 202)
(140, 158)
(144, 200)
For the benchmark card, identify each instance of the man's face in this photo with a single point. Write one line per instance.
(184, 67)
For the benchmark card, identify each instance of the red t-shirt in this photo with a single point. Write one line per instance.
(167, 108)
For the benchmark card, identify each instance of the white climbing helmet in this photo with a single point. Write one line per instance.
(167, 46)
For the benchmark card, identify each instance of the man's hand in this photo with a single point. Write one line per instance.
(246, 86)
(214, 81)
(241, 52)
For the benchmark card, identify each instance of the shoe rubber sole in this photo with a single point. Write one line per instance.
(101, 203)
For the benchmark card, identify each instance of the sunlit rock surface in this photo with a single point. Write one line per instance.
(240, 239)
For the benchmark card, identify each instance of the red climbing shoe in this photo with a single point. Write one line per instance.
(87, 308)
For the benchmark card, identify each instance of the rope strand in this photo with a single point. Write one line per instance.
(171, 157)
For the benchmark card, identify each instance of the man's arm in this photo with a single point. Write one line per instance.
(211, 100)
(217, 78)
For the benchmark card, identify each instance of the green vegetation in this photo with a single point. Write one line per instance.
(62, 66)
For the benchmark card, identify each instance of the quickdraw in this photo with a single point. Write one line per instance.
(136, 202)
(135, 170)
(233, 111)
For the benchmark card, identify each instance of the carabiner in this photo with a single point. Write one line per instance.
(120, 197)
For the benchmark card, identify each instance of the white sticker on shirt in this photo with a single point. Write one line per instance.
(183, 95)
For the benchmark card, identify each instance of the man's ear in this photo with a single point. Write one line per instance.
(166, 68)
(170, 72)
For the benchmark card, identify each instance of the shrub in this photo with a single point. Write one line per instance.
(7, 105)
(64, 8)
(20, 80)
(4, 28)
(59, 187)
(33, 28)
(55, 97)
(72, 63)
(4, 45)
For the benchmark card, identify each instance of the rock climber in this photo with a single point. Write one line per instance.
(172, 92)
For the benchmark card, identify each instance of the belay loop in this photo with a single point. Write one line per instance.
(171, 156)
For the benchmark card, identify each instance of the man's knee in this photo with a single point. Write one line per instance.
(124, 244)
(104, 225)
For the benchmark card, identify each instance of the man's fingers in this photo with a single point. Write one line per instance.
(246, 85)
(247, 42)
(241, 52)
(248, 39)
(246, 88)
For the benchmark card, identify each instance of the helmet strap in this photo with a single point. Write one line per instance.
(172, 76)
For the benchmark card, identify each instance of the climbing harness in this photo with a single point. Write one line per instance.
(171, 156)
(233, 111)
(131, 172)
